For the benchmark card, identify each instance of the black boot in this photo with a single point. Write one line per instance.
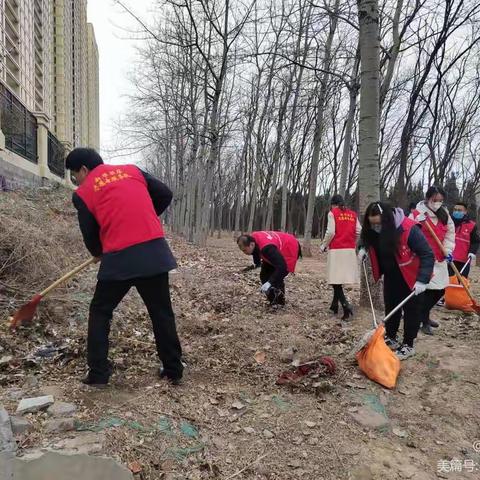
(347, 312)
(427, 329)
(334, 307)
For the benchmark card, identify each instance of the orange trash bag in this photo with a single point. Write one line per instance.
(377, 361)
(456, 297)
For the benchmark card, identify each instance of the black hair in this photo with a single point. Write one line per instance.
(390, 234)
(83, 157)
(441, 213)
(433, 190)
(245, 240)
(463, 204)
(412, 205)
(338, 201)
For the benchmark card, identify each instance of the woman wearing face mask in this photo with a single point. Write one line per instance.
(467, 240)
(343, 230)
(399, 251)
(431, 210)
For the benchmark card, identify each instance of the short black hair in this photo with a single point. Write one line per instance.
(83, 157)
(463, 204)
(412, 205)
(245, 240)
(337, 200)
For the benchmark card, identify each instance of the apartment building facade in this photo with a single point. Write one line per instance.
(49, 97)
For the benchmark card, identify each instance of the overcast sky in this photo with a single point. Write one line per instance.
(116, 53)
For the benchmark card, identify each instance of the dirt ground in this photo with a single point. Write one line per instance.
(230, 419)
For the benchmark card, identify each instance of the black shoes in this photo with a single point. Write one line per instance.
(173, 380)
(347, 312)
(93, 382)
(427, 329)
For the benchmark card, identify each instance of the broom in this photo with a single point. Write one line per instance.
(25, 313)
(475, 305)
(368, 335)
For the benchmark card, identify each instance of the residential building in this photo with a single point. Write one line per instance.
(49, 89)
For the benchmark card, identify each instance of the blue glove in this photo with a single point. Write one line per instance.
(449, 258)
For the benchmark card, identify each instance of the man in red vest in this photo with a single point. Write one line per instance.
(467, 239)
(118, 211)
(277, 253)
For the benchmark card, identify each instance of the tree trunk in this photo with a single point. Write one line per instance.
(369, 166)
(319, 129)
(347, 142)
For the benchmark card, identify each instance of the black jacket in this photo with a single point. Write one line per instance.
(419, 245)
(474, 236)
(274, 258)
(138, 261)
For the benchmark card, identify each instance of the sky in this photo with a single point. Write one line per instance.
(116, 53)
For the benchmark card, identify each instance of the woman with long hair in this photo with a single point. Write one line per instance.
(432, 211)
(343, 230)
(399, 251)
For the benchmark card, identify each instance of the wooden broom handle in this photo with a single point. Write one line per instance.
(68, 276)
(454, 268)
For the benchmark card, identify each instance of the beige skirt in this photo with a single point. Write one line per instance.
(342, 267)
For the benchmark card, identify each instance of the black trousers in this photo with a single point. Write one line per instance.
(395, 290)
(276, 295)
(155, 293)
(339, 296)
(430, 299)
(459, 266)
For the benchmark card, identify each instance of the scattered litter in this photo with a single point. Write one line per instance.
(322, 366)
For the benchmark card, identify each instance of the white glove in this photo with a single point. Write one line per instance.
(421, 217)
(266, 287)
(472, 257)
(362, 255)
(323, 248)
(419, 288)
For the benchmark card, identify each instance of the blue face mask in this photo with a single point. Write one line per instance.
(458, 215)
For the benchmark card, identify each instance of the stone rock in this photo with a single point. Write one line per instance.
(70, 467)
(31, 405)
(268, 434)
(20, 425)
(7, 442)
(15, 394)
(61, 409)
(5, 361)
(369, 418)
(57, 425)
(86, 443)
(249, 430)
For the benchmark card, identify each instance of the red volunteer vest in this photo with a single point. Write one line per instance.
(407, 261)
(462, 241)
(440, 231)
(118, 198)
(286, 243)
(345, 229)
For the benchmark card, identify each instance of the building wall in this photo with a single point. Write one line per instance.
(93, 93)
(27, 46)
(49, 61)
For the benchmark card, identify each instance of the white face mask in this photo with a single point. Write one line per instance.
(434, 205)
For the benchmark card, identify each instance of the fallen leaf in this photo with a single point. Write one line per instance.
(260, 357)
(135, 467)
(399, 433)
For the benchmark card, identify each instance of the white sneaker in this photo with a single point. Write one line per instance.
(404, 352)
(392, 343)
